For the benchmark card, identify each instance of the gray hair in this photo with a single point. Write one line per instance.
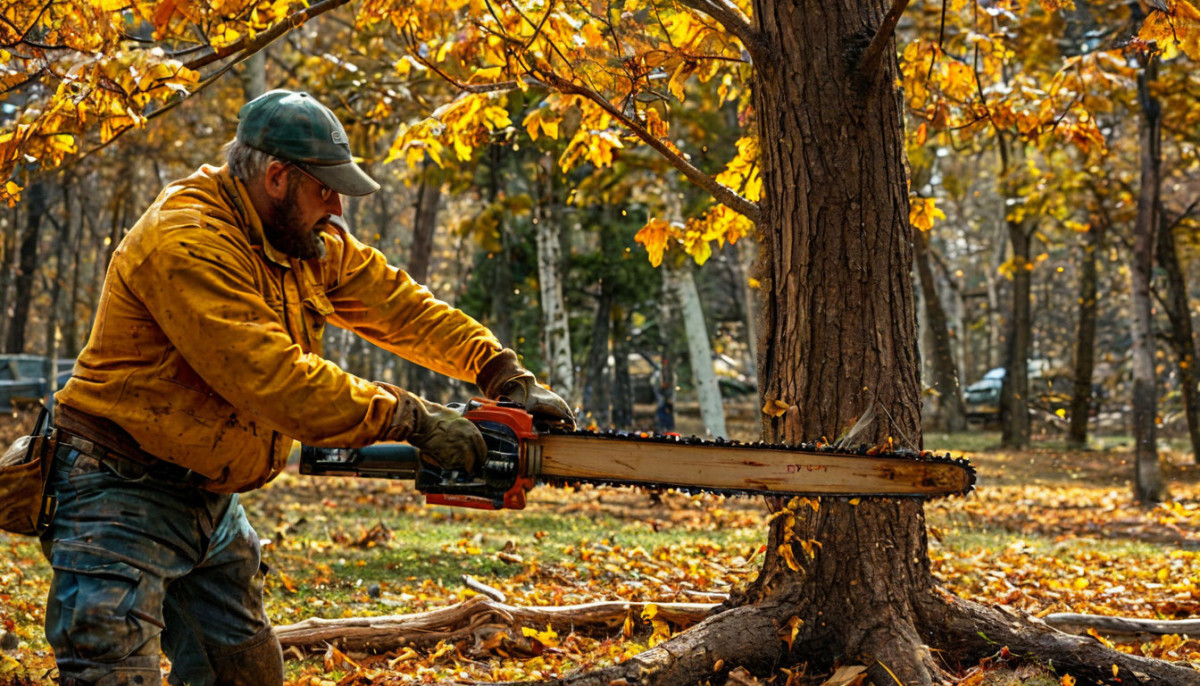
(246, 163)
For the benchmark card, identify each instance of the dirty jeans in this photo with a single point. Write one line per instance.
(141, 564)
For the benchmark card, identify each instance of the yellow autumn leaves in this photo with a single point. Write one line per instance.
(718, 224)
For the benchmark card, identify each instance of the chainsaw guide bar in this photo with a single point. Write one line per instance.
(521, 455)
(734, 468)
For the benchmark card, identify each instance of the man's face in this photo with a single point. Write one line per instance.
(293, 223)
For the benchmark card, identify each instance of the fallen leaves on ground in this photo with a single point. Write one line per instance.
(1046, 532)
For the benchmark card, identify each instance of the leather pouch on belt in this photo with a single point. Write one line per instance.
(25, 507)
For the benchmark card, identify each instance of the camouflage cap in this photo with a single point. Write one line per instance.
(296, 128)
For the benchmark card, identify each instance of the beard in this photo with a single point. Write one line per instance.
(285, 231)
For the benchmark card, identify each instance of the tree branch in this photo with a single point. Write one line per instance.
(722, 193)
(729, 16)
(873, 57)
(261, 40)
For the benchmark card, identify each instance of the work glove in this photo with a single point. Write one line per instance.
(504, 377)
(444, 437)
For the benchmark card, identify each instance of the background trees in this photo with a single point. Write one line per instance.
(789, 128)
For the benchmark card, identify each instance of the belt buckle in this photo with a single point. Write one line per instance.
(127, 469)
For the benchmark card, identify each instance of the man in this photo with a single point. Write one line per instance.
(202, 367)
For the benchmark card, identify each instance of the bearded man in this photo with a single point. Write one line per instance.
(202, 367)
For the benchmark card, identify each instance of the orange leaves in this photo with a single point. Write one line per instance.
(922, 212)
(1174, 29)
(654, 237)
(776, 408)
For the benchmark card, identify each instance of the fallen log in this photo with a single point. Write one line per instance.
(462, 620)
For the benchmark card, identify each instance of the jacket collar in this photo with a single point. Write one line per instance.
(239, 198)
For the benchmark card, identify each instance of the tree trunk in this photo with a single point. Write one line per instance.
(555, 325)
(57, 278)
(622, 384)
(681, 283)
(425, 212)
(8, 244)
(838, 335)
(1014, 399)
(501, 264)
(837, 342)
(1148, 481)
(952, 414)
(1085, 340)
(596, 399)
(35, 197)
(1181, 336)
(420, 257)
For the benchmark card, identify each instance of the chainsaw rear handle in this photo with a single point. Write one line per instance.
(501, 483)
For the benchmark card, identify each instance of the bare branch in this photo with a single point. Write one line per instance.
(729, 16)
(873, 57)
(723, 194)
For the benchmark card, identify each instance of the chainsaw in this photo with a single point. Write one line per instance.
(521, 454)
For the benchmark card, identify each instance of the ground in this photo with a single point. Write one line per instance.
(1048, 530)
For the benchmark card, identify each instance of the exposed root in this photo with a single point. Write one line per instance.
(1122, 627)
(746, 637)
(966, 628)
(897, 657)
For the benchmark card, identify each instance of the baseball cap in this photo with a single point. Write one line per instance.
(296, 128)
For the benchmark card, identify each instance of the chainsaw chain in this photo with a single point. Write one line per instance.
(924, 456)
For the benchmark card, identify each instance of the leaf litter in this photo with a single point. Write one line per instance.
(1068, 539)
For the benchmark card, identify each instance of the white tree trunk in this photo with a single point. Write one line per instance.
(679, 281)
(556, 331)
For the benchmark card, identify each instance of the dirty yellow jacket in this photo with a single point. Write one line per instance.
(207, 342)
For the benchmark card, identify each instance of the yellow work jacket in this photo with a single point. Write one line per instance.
(207, 343)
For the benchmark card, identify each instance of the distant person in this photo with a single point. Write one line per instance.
(204, 364)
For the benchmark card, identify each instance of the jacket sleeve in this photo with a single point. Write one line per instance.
(202, 291)
(386, 306)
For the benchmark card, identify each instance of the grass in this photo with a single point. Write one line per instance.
(1042, 521)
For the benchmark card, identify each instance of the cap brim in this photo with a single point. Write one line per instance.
(346, 179)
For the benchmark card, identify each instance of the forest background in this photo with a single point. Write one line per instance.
(1054, 192)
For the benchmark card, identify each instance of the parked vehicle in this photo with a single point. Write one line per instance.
(23, 379)
(982, 398)
(1049, 394)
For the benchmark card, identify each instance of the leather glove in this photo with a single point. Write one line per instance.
(444, 437)
(504, 377)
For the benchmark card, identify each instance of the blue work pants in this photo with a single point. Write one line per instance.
(141, 565)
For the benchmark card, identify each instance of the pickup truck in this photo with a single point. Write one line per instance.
(23, 379)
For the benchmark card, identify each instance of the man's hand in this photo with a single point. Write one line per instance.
(504, 377)
(444, 436)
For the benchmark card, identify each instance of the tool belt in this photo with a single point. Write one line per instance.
(109, 444)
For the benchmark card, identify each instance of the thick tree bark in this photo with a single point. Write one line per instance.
(1085, 340)
(1181, 338)
(1148, 481)
(35, 197)
(838, 336)
(952, 413)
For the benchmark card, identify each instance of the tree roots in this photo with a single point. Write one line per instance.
(756, 638)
